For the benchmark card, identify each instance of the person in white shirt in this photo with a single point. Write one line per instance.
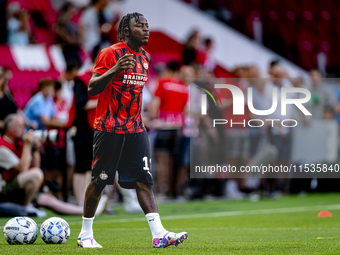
(89, 25)
(67, 82)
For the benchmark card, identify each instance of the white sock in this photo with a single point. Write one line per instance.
(155, 224)
(87, 225)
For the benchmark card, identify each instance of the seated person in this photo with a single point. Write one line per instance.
(20, 171)
(40, 108)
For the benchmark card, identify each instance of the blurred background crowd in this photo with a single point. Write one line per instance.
(47, 52)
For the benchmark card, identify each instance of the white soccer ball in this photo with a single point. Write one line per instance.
(21, 230)
(55, 230)
(36, 230)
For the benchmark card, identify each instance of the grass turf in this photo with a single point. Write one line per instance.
(214, 227)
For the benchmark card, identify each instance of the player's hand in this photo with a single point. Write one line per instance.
(125, 62)
(28, 137)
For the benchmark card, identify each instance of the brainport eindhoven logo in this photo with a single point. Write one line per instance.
(280, 98)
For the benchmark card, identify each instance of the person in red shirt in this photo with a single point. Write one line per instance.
(171, 97)
(21, 176)
(120, 140)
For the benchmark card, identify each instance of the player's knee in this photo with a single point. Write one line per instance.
(96, 187)
(143, 186)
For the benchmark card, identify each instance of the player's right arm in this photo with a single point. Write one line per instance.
(99, 82)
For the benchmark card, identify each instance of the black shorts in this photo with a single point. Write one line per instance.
(129, 154)
(83, 153)
(166, 141)
(53, 158)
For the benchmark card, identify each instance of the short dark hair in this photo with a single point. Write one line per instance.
(124, 23)
(45, 82)
(71, 65)
(93, 2)
(57, 85)
(329, 108)
(207, 41)
(65, 7)
(274, 63)
(173, 66)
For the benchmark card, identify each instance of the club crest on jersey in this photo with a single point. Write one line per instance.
(103, 176)
(146, 66)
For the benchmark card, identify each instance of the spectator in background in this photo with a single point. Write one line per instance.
(67, 82)
(84, 113)
(20, 165)
(61, 112)
(189, 129)
(18, 27)
(22, 178)
(280, 135)
(244, 72)
(160, 70)
(190, 48)
(40, 108)
(328, 113)
(276, 71)
(170, 99)
(322, 95)
(209, 61)
(82, 116)
(236, 135)
(90, 27)
(67, 32)
(55, 152)
(67, 93)
(7, 104)
(262, 100)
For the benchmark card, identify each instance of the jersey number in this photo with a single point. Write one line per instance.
(146, 167)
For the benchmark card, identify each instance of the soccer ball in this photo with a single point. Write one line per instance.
(21, 230)
(36, 230)
(55, 230)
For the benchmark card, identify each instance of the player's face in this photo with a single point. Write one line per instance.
(139, 31)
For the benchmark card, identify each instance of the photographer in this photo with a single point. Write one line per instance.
(19, 164)
(19, 167)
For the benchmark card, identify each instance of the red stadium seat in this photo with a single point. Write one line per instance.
(45, 36)
(6, 59)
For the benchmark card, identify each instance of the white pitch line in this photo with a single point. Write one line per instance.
(221, 214)
(224, 214)
(225, 228)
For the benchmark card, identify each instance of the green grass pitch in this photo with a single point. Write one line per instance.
(288, 225)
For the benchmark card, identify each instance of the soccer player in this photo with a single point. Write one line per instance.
(120, 139)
